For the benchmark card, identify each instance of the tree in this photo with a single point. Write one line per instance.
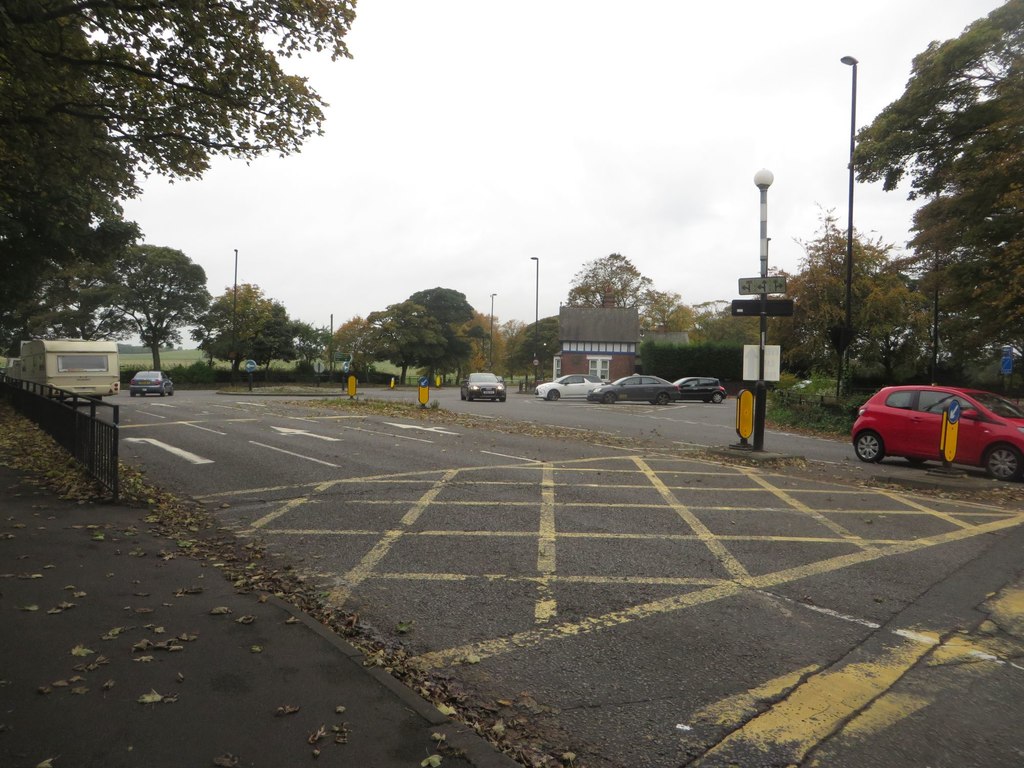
(665, 312)
(95, 93)
(310, 342)
(78, 302)
(522, 347)
(356, 337)
(713, 323)
(957, 132)
(887, 311)
(451, 311)
(274, 339)
(229, 329)
(161, 291)
(406, 334)
(611, 278)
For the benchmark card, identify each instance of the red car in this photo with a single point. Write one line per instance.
(907, 421)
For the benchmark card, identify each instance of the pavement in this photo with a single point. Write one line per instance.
(116, 649)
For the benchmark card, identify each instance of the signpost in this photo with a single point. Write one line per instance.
(424, 391)
(250, 366)
(753, 286)
(752, 307)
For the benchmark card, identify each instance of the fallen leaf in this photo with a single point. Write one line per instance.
(220, 610)
(316, 735)
(434, 761)
(79, 690)
(150, 698)
(225, 761)
(256, 648)
(245, 620)
(28, 608)
(286, 709)
(81, 650)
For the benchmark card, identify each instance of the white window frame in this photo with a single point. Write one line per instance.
(599, 366)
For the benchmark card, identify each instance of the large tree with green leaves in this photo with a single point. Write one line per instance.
(889, 314)
(95, 93)
(407, 335)
(451, 311)
(957, 134)
(161, 291)
(228, 330)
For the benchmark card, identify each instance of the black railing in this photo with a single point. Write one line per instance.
(84, 426)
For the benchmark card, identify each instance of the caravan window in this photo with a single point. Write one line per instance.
(81, 363)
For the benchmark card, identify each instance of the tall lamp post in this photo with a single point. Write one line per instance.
(234, 323)
(762, 179)
(536, 320)
(846, 335)
(490, 340)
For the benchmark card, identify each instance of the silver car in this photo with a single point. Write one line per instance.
(570, 385)
(151, 383)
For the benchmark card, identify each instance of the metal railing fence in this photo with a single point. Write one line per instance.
(86, 427)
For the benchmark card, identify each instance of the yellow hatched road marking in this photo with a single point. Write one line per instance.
(731, 564)
(812, 513)
(814, 710)
(365, 567)
(546, 607)
(533, 638)
(927, 510)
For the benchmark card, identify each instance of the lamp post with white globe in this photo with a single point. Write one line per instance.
(762, 179)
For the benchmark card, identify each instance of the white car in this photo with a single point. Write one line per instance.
(570, 385)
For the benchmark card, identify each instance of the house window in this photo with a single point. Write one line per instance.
(557, 368)
(599, 366)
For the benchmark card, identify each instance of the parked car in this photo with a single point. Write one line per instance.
(700, 388)
(907, 421)
(483, 385)
(649, 388)
(151, 383)
(570, 385)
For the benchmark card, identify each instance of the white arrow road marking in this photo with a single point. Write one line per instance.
(189, 457)
(439, 430)
(296, 455)
(304, 433)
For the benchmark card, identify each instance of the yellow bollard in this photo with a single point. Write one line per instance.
(392, 382)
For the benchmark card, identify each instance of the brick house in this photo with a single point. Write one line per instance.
(603, 341)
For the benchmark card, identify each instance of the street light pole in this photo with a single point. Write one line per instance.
(234, 323)
(847, 333)
(490, 341)
(536, 321)
(762, 179)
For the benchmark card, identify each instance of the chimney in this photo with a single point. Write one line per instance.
(608, 300)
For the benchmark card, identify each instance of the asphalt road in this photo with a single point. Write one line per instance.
(635, 607)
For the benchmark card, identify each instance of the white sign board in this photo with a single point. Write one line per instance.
(772, 362)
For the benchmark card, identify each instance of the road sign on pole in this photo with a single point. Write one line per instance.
(751, 286)
(752, 307)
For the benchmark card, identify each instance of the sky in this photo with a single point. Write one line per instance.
(467, 136)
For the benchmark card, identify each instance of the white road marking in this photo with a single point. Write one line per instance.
(517, 458)
(154, 415)
(296, 455)
(187, 456)
(244, 402)
(205, 429)
(304, 433)
(438, 430)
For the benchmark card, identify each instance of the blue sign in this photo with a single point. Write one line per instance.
(424, 381)
(1006, 366)
(250, 366)
(953, 412)
(344, 367)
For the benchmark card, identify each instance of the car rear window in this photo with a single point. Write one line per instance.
(902, 399)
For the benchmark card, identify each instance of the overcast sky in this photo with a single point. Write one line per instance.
(467, 136)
